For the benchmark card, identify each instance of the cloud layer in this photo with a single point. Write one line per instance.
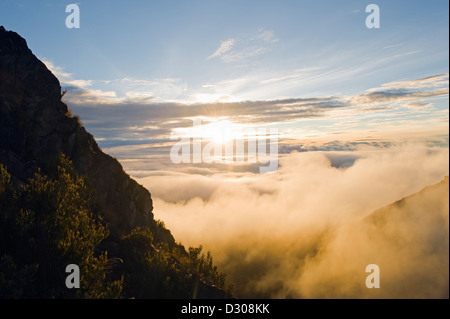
(300, 232)
(400, 103)
(127, 111)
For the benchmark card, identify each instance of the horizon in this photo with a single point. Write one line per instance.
(355, 118)
(350, 83)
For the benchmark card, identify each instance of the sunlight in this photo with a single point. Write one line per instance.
(221, 132)
(211, 129)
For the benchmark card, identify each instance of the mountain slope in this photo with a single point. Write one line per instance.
(408, 240)
(415, 230)
(36, 127)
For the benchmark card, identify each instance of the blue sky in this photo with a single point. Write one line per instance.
(148, 40)
(136, 70)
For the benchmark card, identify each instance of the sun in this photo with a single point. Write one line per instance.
(212, 130)
(221, 132)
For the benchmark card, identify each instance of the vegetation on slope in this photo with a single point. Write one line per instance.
(55, 220)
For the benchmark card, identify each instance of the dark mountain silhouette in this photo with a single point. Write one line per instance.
(36, 127)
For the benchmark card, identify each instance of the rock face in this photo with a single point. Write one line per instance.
(35, 127)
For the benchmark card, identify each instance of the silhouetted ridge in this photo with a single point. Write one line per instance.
(38, 135)
(35, 129)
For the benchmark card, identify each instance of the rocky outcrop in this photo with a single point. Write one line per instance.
(35, 127)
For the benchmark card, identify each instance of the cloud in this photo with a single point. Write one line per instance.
(56, 70)
(404, 93)
(246, 46)
(125, 111)
(138, 114)
(417, 105)
(438, 80)
(302, 232)
(120, 90)
(65, 78)
(399, 95)
(77, 95)
(267, 36)
(408, 240)
(292, 75)
(224, 47)
(244, 53)
(140, 90)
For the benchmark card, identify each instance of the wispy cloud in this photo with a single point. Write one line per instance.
(64, 77)
(379, 97)
(267, 36)
(406, 92)
(298, 73)
(157, 89)
(246, 46)
(224, 47)
(438, 80)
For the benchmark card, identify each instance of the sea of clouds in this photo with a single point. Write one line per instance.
(302, 232)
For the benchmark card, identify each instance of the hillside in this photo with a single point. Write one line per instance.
(47, 157)
(408, 240)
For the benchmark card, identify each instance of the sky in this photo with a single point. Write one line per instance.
(244, 50)
(156, 55)
(360, 115)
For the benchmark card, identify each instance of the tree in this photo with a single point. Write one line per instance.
(49, 223)
(54, 220)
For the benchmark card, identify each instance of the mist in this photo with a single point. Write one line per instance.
(307, 230)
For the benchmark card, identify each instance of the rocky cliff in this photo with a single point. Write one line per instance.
(35, 127)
